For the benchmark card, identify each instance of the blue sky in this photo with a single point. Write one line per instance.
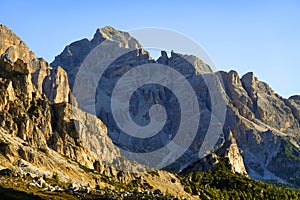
(258, 36)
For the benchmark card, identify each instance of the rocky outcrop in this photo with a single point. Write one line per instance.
(237, 94)
(55, 85)
(232, 152)
(269, 107)
(263, 122)
(294, 103)
(47, 80)
(199, 67)
(12, 47)
(81, 136)
(25, 113)
(28, 115)
(229, 150)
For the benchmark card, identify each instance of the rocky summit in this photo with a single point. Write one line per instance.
(52, 144)
(259, 123)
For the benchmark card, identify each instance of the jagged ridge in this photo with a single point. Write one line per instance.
(259, 119)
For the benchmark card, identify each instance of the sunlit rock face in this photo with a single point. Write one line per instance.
(47, 80)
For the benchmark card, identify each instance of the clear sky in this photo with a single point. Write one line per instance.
(259, 36)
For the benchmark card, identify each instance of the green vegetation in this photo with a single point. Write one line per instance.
(290, 151)
(223, 184)
(288, 158)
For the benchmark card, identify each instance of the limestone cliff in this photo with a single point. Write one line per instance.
(46, 79)
(259, 123)
(39, 129)
(43, 137)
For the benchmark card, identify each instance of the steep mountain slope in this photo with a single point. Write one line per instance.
(266, 123)
(54, 146)
(45, 142)
(260, 135)
(48, 80)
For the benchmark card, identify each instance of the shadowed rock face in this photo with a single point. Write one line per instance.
(259, 123)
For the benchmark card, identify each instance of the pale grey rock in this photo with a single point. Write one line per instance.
(235, 159)
(75, 53)
(81, 136)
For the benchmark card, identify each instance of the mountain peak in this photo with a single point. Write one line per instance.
(74, 53)
(47, 80)
(112, 34)
(12, 47)
(108, 31)
(6, 32)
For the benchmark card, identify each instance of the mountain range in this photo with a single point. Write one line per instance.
(48, 133)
